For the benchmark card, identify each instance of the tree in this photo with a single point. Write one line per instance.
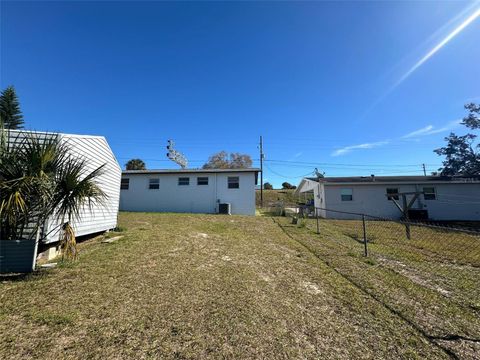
(10, 113)
(135, 164)
(222, 160)
(287, 185)
(267, 186)
(462, 155)
(240, 161)
(39, 180)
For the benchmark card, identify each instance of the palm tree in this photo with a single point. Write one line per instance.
(75, 189)
(39, 178)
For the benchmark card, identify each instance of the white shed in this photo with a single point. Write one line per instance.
(189, 190)
(96, 151)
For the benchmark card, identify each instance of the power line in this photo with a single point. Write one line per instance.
(345, 164)
(287, 176)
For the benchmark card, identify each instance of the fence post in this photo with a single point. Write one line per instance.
(318, 225)
(365, 242)
(405, 216)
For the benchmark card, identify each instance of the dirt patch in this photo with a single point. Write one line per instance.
(411, 274)
(200, 236)
(311, 288)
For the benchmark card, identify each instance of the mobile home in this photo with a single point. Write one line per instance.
(438, 197)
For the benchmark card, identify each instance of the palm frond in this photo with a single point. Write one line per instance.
(75, 190)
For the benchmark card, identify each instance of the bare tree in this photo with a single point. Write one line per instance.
(222, 160)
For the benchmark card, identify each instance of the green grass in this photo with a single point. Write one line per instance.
(209, 286)
(431, 281)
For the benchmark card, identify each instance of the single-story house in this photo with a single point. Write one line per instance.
(439, 197)
(96, 152)
(190, 190)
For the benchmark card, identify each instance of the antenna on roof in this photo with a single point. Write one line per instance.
(318, 174)
(176, 156)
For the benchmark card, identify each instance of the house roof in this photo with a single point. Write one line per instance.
(395, 179)
(188, 171)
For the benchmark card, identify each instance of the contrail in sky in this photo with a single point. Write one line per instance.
(433, 51)
(441, 44)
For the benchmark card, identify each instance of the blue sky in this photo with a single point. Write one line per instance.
(332, 85)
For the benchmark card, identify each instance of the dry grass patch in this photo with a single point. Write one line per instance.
(431, 282)
(199, 286)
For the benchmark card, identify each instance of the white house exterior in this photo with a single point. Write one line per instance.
(96, 152)
(444, 198)
(189, 190)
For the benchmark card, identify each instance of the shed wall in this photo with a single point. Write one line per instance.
(99, 217)
(96, 151)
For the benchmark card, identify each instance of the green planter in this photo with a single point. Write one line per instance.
(17, 256)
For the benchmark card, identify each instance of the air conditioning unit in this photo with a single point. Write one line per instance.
(224, 208)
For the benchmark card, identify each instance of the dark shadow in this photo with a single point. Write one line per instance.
(32, 276)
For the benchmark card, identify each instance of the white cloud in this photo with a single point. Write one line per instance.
(423, 131)
(430, 130)
(412, 136)
(347, 149)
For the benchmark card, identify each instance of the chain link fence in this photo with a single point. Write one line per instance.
(427, 272)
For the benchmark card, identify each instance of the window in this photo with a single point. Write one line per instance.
(183, 181)
(124, 184)
(233, 182)
(429, 193)
(154, 184)
(202, 180)
(394, 192)
(346, 194)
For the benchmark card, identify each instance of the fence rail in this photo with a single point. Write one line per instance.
(428, 272)
(441, 240)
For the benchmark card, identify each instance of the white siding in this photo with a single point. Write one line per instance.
(454, 201)
(100, 217)
(192, 198)
(96, 151)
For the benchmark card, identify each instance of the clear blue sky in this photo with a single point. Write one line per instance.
(316, 79)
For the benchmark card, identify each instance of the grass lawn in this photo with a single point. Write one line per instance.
(209, 286)
(431, 281)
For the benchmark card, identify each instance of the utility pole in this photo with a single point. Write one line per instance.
(424, 170)
(261, 171)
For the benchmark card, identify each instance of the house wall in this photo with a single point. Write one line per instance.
(171, 197)
(454, 201)
(99, 217)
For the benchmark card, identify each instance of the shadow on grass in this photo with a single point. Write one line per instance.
(32, 276)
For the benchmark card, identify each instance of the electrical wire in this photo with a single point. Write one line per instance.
(288, 176)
